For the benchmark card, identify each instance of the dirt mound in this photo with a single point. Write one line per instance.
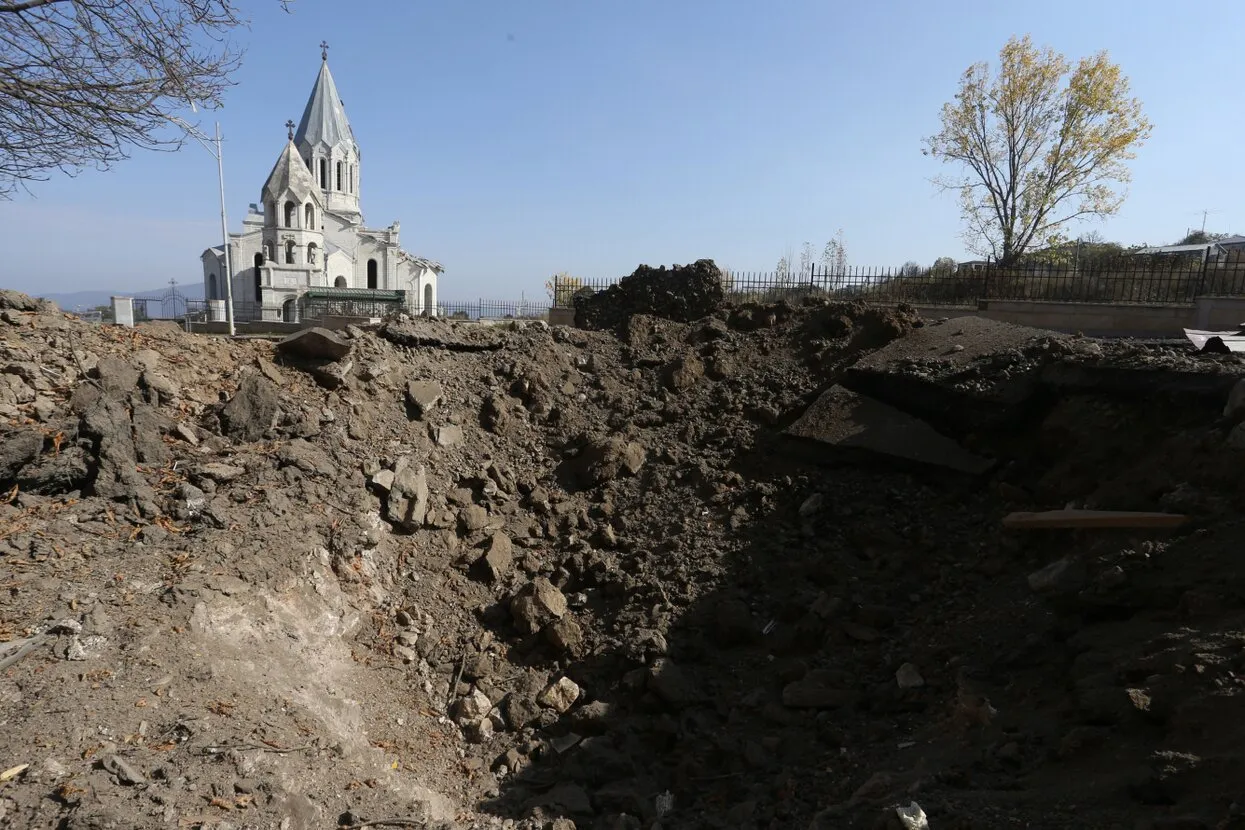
(523, 577)
(682, 293)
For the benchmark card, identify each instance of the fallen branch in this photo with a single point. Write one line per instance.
(385, 822)
(30, 645)
(216, 749)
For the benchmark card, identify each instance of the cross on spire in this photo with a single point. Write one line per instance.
(324, 50)
(289, 129)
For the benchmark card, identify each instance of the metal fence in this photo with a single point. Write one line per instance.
(1143, 280)
(493, 310)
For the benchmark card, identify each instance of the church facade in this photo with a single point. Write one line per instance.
(307, 232)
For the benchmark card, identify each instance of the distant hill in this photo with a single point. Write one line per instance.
(82, 300)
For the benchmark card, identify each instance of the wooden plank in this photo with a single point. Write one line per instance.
(1092, 519)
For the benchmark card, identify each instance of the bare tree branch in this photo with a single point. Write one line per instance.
(85, 82)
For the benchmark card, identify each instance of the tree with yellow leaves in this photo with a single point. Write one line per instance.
(1043, 143)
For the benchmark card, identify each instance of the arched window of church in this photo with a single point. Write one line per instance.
(211, 287)
(271, 218)
(340, 282)
(372, 276)
(267, 255)
(309, 217)
(324, 173)
(289, 252)
(339, 175)
(259, 285)
(350, 178)
(259, 260)
(311, 253)
(291, 211)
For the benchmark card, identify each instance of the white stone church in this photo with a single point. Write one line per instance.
(307, 232)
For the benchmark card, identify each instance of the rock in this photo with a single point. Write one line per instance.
(909, 677)
(604, 460)
(161, 385)
(448, 435)
(383, 480)
(116, 375)
(565, 635)
(315, 343)
(472, 519)
(307, 457)
(521, 711)
(220, 473)
(670, 683)
(422, 396)
(473, 707)
(498, 557)
(683, 373)
(478, 731)
(14, 391)
(252, 411)
(124, 772)
(407, 504)
(1236, 437)
(817, 690)
(332, 375)
(1059, 576)
(538, 603)
(187, 434)
(559, 695)
(405, 653)
(17, 449)
(17, 301)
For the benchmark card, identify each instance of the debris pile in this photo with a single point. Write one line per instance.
(748, 567)
(682, 293)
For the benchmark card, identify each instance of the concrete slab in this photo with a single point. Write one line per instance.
(846, 420)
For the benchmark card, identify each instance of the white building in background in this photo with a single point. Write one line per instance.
(307, 232)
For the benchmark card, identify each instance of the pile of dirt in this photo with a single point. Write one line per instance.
(682, 293)
(470, 576)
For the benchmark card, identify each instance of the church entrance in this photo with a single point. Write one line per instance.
(289, 311)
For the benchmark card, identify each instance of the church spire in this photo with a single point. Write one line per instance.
(324, 118)
(327, 145)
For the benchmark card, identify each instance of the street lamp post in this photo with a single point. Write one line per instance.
(224, 233)
(213, 146)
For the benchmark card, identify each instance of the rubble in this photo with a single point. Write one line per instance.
(592, 576)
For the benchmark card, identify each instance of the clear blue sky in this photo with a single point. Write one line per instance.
(516, 139)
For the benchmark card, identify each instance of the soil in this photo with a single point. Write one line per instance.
(447, 575)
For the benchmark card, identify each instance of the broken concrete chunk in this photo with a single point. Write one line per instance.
(315, 343)
(422, 396)
(909, 676)
(123, 770)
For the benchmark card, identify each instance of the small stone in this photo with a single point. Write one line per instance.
(560, 695)
(221, 473)
(187, 434)
(473, 518)
(472, 707)
(566, 636)
(405, 653)
(811, 505)
(383, 480)
(478, 731)
(909, 677)
(539, 602)
(498, 558)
